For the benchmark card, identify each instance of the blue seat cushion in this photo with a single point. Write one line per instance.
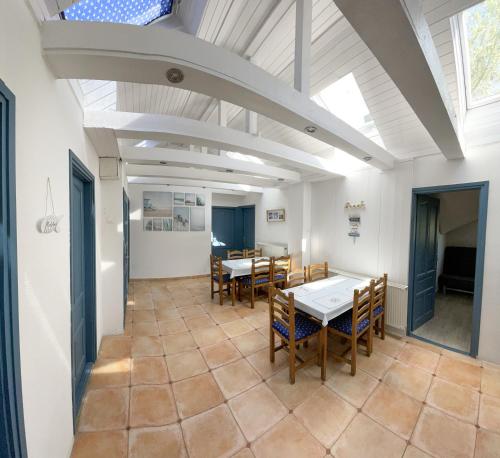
(304, 327)
(279, 277)
(343, 323)
(377, 311)
(225, 278)
(248, 281)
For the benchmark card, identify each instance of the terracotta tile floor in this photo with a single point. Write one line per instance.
(191, 378)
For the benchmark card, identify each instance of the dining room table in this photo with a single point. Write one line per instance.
(325, 300)
(239, 267)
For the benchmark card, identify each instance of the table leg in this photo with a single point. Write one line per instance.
(324, 338)
(233, 290)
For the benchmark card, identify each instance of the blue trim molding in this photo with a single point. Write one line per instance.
(483, 187)
(10, 368)
(79, 170)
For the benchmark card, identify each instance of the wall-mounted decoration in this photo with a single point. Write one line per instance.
(357, 205)
(274, 216)
(354, 223)
(50, 222)
(157, 204)
(197, 219)
(190, 199)
(181, 219)
(200, 200)
(179, 198)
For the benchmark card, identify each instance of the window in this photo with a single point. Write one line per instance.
(137, 12)
(480, 27)
(344, 99)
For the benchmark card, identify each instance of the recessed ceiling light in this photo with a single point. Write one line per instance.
(310, 129)
(163, 162)
(229, 170)
(175, 75)
(281, 179)
(367, 158)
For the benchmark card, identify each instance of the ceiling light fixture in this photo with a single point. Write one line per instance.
(367, 158)
(175, 75)
(163, 162)
(281, 179)
(310, 129)
(229, 170)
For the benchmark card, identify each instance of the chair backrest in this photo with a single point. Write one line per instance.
(216, 267)
(317, 271)
(297, 278)
(362, 307)
(380, 292)
(253, 253)
(282, 310)
(261, 269)
(235, 254)
(281, 266)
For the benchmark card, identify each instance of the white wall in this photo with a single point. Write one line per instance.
(465, 236)
(167, 254)
(385, 224)
(227, 200)
(48, 123)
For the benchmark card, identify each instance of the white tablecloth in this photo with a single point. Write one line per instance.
(238, 267)
(328, 298)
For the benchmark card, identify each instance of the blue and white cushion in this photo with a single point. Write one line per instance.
(377, 311)
(343, 323)
(279, 277)
(247, 281)
(304, 327)
(225, 278)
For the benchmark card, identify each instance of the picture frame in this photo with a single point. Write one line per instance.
(276, 215)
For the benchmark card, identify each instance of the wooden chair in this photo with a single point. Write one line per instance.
(297, 278)
(255, 253)
(292, 329)
(317, 271)
(354, 324)
(235, 254)
(260, 277)
(280, 269)
(379, 302)
(220, 278)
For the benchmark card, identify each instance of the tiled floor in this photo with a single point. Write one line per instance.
(192, 378)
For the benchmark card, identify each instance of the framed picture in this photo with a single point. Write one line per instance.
(167, 224)
(179, 198)
(157, 204)
(197, 219)
(274, 216)
(148, 224)
(181, 219)
(190, 199)
(200, 200)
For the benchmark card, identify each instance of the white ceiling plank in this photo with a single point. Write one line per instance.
(207, 161)
(125, 53)
(235, 188)
(189, 131)
(398, 35)
(302, 61)
(104, 141)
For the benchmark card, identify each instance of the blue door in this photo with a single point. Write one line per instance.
(224, 231)
(126, 249)
(249, 227)
(82, 251)
(425, 259)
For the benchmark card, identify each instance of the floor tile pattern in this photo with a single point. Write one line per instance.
(191, 378)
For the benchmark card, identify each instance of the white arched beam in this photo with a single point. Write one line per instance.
(206, 161)
(398, 35)
(120, 52)
(240, 189)
(184, 130)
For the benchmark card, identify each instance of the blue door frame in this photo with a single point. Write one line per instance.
(78, 170)
(483, 188)
(126, 250)
(12, 419)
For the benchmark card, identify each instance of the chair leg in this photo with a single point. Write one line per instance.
(382, 325)
(212, 289)
(252, 297)
(271, 343)
(221, 294)
(354, 353)
(291, 349)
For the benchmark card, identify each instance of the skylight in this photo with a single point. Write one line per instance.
(344, 99)
(481, 52)
(137, 12)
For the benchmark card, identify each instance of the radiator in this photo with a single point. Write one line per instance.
(397, 307)
(272, 249)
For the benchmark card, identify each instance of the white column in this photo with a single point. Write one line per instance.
(302, 63)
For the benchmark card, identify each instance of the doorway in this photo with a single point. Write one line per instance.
(83, 295)
(233, 228)
(446, 265)
(126, 250)
(12, 438)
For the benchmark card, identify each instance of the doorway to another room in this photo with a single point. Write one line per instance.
(233, 228)
(446, 265)
(83, 274)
